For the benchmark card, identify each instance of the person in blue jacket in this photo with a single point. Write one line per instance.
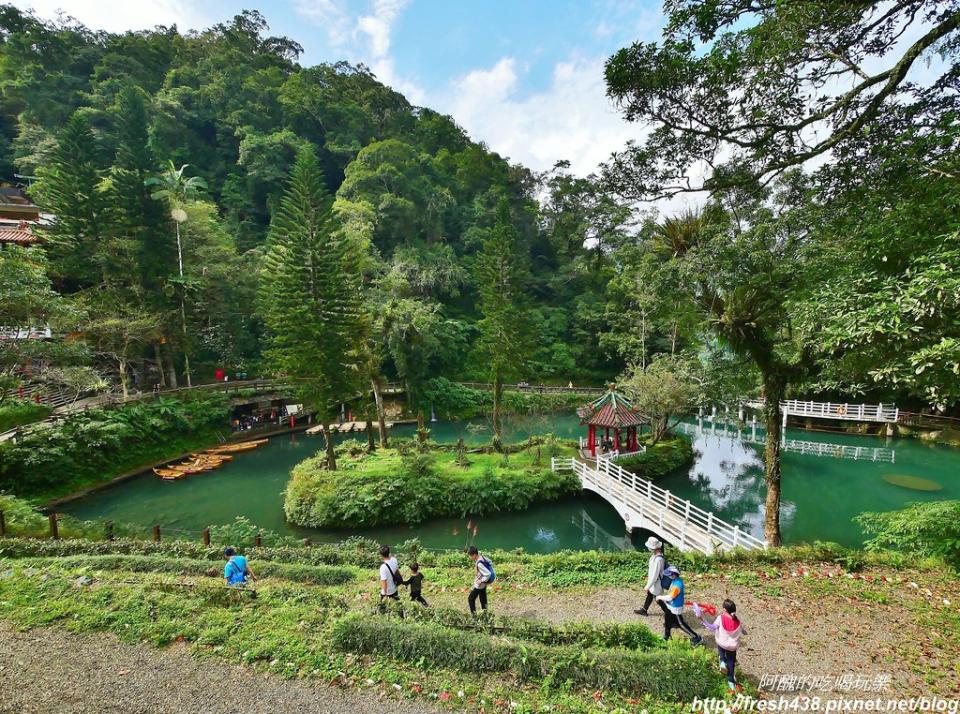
(237, 570)
(674, 598)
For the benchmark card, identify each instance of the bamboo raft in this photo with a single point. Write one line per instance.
(210, 459)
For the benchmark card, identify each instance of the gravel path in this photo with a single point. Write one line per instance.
(788, 633)
(47, 670)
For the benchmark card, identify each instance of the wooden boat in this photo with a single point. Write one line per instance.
(212, 457)
(193, 466)
(169, 474)
(234, 448)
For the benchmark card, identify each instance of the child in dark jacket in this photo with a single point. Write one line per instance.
(415, 581)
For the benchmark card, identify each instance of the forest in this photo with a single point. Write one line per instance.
(216, 205)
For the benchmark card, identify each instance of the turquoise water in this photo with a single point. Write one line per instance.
(821, 494)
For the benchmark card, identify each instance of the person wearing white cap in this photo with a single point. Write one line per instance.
(653, 586)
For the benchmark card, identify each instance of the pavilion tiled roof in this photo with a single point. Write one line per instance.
(17, 235)
(613, 409)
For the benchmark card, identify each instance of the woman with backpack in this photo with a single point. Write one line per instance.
(654, 584)
(484, 576)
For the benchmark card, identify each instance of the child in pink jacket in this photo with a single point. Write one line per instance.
(727, 630)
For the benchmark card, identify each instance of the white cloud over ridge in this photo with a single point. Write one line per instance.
(119, 17)
(571, 119)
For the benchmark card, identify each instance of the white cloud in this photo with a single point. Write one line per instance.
(119, 17)
(330, 16)
(571, 119)
(378, 26)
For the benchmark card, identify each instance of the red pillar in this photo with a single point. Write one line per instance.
(591, 437)
(616, 439)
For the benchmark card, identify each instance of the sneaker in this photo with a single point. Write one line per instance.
(723, 667)
(641, 611)
(696, 641)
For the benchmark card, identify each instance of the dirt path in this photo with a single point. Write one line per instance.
(48, 670)
(792, 630)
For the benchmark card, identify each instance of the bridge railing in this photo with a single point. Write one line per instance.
(688, 524)
(833, 410)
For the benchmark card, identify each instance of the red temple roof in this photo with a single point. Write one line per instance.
(611, 410)
(19, 234)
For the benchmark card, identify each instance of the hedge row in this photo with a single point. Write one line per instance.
(561, 568)
(583, 634)
(673, 673)
(308, 574)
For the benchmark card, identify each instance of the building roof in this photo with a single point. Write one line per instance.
(613, 409)
(17, 234)
(16, 204)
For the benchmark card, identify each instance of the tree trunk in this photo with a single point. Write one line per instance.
(370, 444)
(158, 356)
(328, 438)
(171, 368)
(774, 391)
(673, 339)
(497, 416)
(122, 368)
(381, 413)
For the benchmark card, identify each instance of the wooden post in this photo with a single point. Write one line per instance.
(108, 528)
(156, 534)
(257, 540)
(54, 528)
(3, 525)
(205, 535)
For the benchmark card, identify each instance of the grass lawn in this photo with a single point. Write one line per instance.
(804, 618)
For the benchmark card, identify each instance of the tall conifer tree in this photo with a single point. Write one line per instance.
(310, 292)
(70, 189)
(142, 239)
(502, 276)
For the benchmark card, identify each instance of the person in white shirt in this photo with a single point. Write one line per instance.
(388, 568)
(654, 572)
(481, 579)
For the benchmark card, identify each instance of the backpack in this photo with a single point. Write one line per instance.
(486, 561)
(397, 578)
(665, 580)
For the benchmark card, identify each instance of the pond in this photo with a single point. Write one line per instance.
(827, 479)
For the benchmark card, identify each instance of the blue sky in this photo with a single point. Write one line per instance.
(523, 76)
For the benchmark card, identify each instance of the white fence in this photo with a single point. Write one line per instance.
(886, 413)
(646, 505)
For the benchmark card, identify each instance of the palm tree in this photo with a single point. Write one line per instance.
(178, 191)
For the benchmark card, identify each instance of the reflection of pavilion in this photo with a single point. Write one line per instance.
(593, 534)
(797, 446)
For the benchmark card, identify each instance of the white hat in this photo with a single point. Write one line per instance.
(652, 543)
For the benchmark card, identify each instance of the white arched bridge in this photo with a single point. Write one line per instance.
(643, 504)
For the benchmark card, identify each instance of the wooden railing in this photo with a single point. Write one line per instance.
(678, 520)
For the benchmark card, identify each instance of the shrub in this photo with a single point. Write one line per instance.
(94, 445)
(456, 401)
(662, 458)
(920, 529)
(21, 411)
(674, 673)
(309, 574)
(583, 634)
(393, 488)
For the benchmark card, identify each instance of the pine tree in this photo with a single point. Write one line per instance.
(310, 293)
(142, 242)
(70, 189)
(502, 275)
